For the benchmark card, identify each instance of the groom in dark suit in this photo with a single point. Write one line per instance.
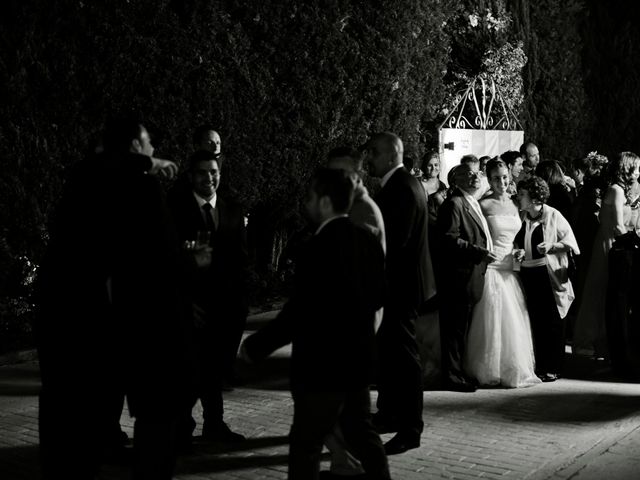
(466, 250)
(410, 278)
(218, 292)
(329, 319)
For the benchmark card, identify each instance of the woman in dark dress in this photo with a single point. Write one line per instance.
(544, 242)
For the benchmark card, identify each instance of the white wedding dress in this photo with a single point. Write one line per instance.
(499, 346)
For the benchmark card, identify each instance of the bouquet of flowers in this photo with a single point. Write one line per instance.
(598, 162)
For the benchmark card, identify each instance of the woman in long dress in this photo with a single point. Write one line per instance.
(499, 344)
(590, 336)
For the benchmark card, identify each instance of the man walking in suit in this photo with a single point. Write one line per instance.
(365, 214)
(329, 319)
(410, 281)
(466, 249)
(218, 293)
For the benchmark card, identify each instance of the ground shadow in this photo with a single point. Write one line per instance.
(568, 407)
(222, 464)
(548, 407)
(252, 443)
(213, 463)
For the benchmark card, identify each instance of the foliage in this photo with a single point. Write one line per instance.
(480, 34)
(284, 83)
(611, 52)
(556, 112)
(504, 65)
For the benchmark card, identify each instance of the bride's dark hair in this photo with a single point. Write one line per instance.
(494, 164)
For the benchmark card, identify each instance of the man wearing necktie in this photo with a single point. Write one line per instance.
(466, 249)
(217, 292)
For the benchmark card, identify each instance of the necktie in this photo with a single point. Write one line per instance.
(208, 216)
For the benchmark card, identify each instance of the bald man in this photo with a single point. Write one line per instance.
(410, 281)
(531, 156)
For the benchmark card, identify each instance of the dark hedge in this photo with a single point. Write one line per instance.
(285, 81)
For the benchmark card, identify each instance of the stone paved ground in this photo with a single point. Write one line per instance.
(584, 427)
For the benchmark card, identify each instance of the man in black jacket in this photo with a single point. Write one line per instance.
(409, 275)
(329, 319)
(217, 293)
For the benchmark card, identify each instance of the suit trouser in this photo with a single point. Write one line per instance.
(69, 432)
(400, 392)
(76, 408)
(154, 446)
(455, 317)
(208, 357)
(315, 414)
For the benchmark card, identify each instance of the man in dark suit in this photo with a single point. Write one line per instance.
(217, 293)
(410, 279)
(329, 319)
(109, 306)
(465, 251)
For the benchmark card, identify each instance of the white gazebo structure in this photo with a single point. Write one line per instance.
(481, 123)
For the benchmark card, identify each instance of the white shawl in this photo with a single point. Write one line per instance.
(557, 229)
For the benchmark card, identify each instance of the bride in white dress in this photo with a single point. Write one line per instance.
(499, 345)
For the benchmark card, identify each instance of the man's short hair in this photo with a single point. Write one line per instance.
(510, 157)
(120, 132)
(469, 159)
(202, 156)
(338, 185)
(201, 130)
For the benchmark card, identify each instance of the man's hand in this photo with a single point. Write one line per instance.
(518, 254)
(202, 256)
(570, 182)
(491, 257)
(199, 316)
(163, 168)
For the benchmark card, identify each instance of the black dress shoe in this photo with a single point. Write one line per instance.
(464, 387)
(548, 377)
(221, 433)
(400, 444)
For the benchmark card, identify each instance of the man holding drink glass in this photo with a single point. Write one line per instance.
(209, 225)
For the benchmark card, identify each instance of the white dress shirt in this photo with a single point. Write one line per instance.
(485, 226)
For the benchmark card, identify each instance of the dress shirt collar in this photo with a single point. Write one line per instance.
(324, 224)
(387, 175)
(472, 200)
(201, 201)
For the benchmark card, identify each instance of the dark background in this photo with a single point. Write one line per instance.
(284, 81)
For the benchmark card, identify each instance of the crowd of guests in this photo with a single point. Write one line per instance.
(144, 294)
